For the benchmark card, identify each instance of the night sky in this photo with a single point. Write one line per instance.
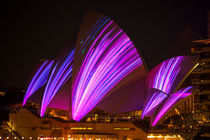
(31, 31)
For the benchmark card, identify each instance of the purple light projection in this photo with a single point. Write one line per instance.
(110, 57)
(164, 78)
(167, 74)
(39, 79)
(155, 100)
(172, 101)
(61, 72)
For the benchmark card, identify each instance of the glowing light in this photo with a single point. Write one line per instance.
(171, 101)
(39, 79)
(165, 137)
(167, 74)
(163, 79)
(61, 72)
(155, 100)
(110, 57)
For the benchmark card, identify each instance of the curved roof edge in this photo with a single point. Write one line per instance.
(61, 72)
(39, 78)
(170, 103)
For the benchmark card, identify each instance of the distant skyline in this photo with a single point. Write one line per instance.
(31, 31)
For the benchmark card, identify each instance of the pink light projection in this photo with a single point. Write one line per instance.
(110, 57)
(163, 80)
(166, 77)
(61, 72)
(39, 79)
(167, 74)
(172, 101)
(155, 100)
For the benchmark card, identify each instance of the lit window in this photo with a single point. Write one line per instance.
(122, 128)
(2, 93)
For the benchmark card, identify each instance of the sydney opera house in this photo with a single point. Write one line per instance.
(105, 73)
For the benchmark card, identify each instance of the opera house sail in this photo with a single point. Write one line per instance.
(163, 81)
(39, 79)
(104, 56)
(60, 73)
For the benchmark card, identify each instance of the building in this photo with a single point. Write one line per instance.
(200, 77)
(37, 127)
(101, 90)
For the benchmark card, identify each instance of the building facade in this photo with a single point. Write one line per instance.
(30, 126)
(24, 125)
(200, 78)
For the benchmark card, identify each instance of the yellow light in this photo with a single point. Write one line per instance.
(0, 137)
(22, 137)
(7, 137)
(15, 137)
(30, 138)
(155, 136)
(126, 128)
